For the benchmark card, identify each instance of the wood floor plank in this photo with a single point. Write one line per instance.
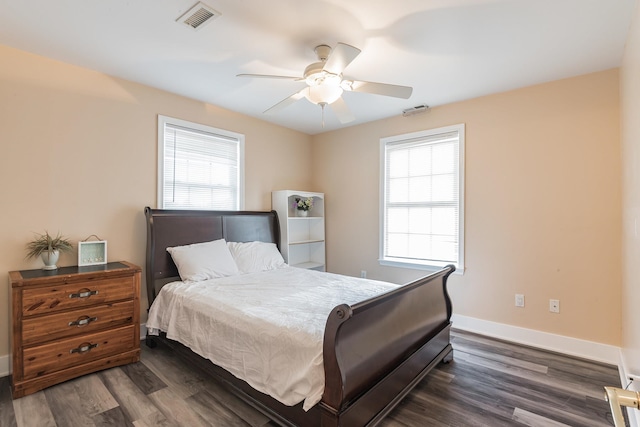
(177, 410)
(593, 370)
(33, 410)
(112, 417)
(7, 413)
(183, 379)
(489, 383)
(593, 408)
(66, 406)
(402, 417)
(477, 383)
(580, 373)
(441, 408)
(156, 419)
(143, 377)
(569, 386)
(441, 375)
(94, 396)
(133, 402)
(511, 392)
(77, 401)
(213, 411)
(539, 393)
(217, 389)
(509, 360)
(251, 415)
(451, 399)
(531, 419)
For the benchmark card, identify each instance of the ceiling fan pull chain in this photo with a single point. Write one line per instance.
(322, 104)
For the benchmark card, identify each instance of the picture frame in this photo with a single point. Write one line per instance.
(92, 253)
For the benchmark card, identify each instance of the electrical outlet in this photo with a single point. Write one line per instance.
(363, 274)
(554, 305)
(519, 300)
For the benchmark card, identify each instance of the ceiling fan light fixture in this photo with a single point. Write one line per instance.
(325, 84)
(323, 93)
(346, 84)
(323, 78)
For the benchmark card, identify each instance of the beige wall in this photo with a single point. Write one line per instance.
(630, 91)
(543, 185)
(79, 157)
(543, 204)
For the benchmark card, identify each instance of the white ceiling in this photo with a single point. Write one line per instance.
(447, 50)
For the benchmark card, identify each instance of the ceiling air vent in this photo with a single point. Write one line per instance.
(198, 16)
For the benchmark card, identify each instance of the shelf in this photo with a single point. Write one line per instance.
(304, 242)
(302, 238)
(310, 266)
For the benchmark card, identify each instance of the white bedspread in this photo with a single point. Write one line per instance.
(265, 328)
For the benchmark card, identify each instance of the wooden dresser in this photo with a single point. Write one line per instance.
(72, 321)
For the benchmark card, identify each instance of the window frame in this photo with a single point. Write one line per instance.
(427, 264)
(162, 122)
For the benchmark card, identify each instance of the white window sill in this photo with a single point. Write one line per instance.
(430, 266)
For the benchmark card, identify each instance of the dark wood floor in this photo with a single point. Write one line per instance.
(489, 383)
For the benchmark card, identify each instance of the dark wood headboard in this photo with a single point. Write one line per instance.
(167, 228)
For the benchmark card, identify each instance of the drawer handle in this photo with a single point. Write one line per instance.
(85, 347)
(83, 320)
(83, 294)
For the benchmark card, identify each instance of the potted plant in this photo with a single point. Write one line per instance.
(303, 205)
(49, 248)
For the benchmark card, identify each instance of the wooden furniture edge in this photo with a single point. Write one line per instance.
(421, 308)
(17, 281)
(23, 388)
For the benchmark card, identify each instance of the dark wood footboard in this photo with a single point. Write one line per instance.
(377, 350)
(374, 352)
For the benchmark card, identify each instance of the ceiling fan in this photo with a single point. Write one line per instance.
(325, 82)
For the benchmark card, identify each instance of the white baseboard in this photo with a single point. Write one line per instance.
(4, 366)
(561, 344)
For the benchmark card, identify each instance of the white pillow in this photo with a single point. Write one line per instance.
(253, 257)
(202, 261)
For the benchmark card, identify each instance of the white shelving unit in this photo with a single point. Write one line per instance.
(301, 238)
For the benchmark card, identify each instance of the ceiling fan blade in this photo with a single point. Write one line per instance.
(285, 102)
(340, 57)
(342, 111)
(269, 76)
(380, 89)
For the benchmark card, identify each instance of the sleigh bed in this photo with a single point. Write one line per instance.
(373, 351)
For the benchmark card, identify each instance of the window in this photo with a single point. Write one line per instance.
(421, 212)
(199, 167)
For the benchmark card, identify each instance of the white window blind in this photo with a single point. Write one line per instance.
(199, 167)
(422, 198)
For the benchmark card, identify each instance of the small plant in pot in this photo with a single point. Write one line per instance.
(48, 248)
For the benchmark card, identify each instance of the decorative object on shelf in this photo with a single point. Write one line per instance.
(301, 239)
(92, 252)
(48, 248)
(303, 206)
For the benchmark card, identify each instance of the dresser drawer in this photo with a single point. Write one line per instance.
(76, 322)
(71, 295)
(49, 358)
